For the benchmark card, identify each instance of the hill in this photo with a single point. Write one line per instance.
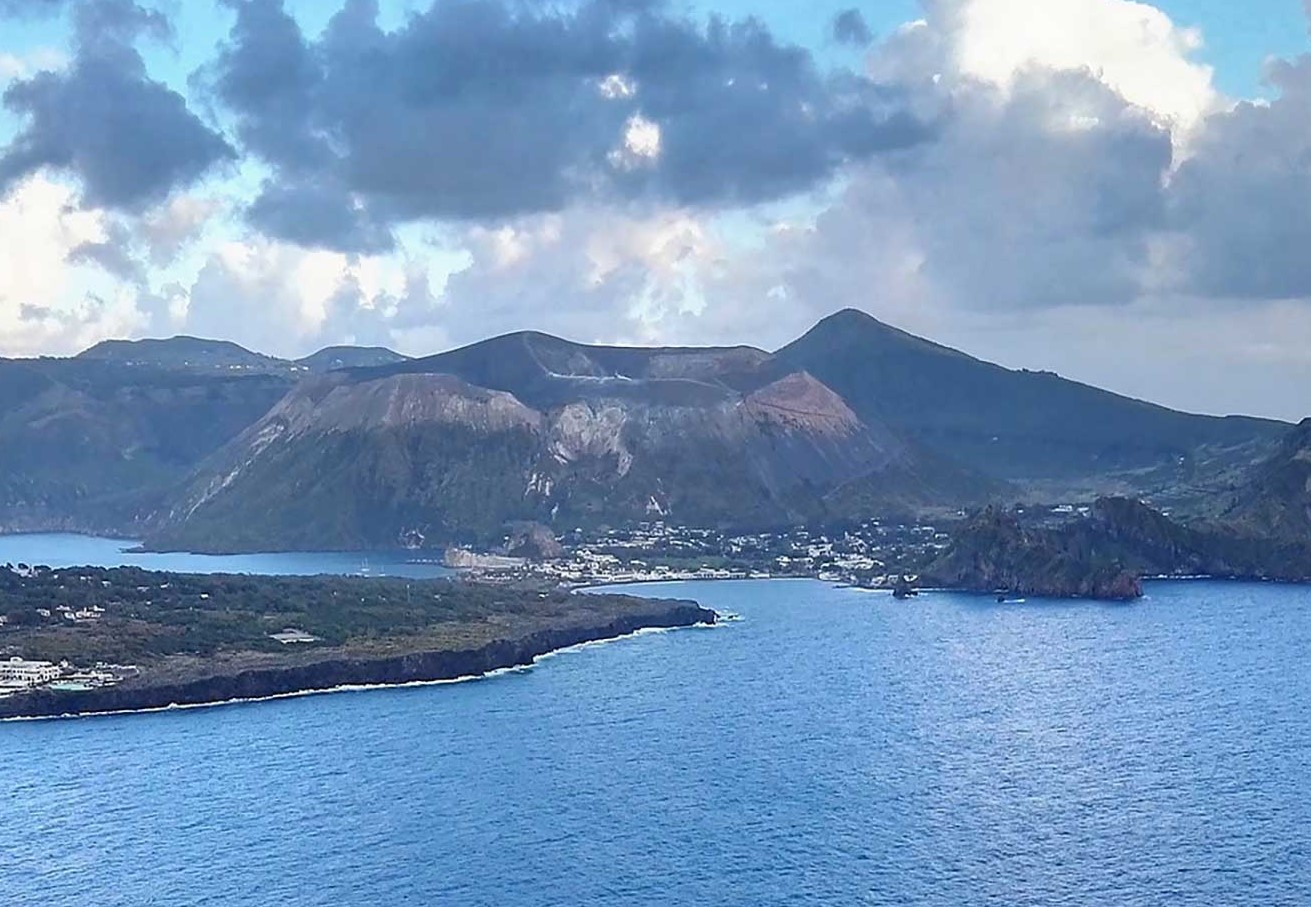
(93, 445)
(338, 357)
(183, 353)
(1275, 497)
(1029, 427)
(197, 354)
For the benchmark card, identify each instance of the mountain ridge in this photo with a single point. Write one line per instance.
(1013, 424)
(854, 418)
(187, 352)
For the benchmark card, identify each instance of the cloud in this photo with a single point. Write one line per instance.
(1043, 190)
(1045, 185)
(129, 140)
(591, 273)
(479, 109)
(281, 299)
(47, 303)
(1133, 48)
(170, 228)
(850, 28)
(19, 66)
(1240, 206)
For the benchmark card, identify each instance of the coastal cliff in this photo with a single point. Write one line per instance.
(1105, 552)
(997, 553)
(333, 670)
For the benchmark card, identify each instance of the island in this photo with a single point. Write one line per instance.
(87, 640)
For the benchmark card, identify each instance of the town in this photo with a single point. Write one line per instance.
(872, 554)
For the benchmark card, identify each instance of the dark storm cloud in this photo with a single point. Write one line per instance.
(1241, 203)
(130, 140)
(850, 27)
(478, 109)
(317, 216)
(113, 254)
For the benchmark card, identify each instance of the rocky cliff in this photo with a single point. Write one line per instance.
(997, 553)
(1106, 553)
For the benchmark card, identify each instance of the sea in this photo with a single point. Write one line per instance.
(830, 746)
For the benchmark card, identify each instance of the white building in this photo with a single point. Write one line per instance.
(294, 636)
(17, 673)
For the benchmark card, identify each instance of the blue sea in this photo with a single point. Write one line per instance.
(831, 747)
(67, 550)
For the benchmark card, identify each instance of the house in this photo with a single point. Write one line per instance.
(292, 636)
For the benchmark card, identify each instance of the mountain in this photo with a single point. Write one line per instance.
(196, 354)
(210, 445)
(183, 353)
(338, 357)
(91, 445)
(552, 432)
(544, 371)
(1275, 498)
(1030, 427)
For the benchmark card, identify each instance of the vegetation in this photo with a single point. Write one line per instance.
(1106, 552)
(148, 616)
(90, 445)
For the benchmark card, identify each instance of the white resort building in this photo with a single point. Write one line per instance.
(18, 674)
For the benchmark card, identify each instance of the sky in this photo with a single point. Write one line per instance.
(1112, 190)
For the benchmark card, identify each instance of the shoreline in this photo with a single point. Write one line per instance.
(720, 621)
(344, 672)
(620, 584)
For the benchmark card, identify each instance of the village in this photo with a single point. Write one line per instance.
(872, 554)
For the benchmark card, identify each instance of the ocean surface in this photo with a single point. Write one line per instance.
(66, 550)
(831, 747)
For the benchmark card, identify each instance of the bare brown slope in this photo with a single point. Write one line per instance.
(366, 458)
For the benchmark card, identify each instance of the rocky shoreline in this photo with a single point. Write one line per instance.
(331, 673)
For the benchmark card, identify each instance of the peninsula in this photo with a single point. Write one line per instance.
(125, 639)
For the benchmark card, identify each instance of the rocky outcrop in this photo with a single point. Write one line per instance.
(997, 554)
(1105, 553)
(534, 542)
(464, 559)
(345, 671)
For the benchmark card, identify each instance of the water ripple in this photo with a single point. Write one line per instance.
(832, 748)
